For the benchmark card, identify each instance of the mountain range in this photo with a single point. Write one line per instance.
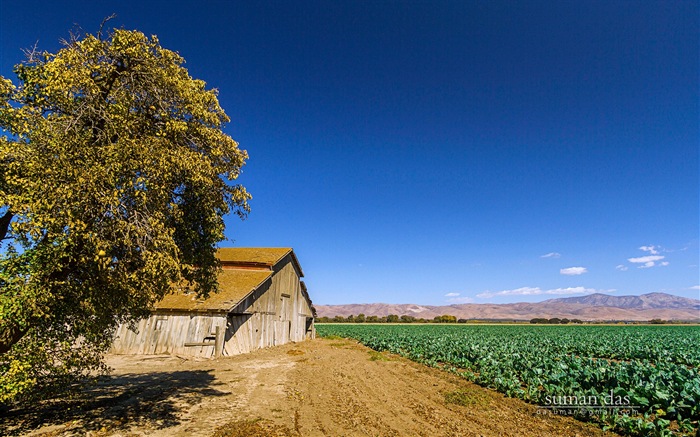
(592, 307)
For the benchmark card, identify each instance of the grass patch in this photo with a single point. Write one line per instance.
(377, 356)
(337, 341)
(252, 428)
(464, 398)
(341, 344)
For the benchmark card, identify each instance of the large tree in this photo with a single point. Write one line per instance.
(115, 175)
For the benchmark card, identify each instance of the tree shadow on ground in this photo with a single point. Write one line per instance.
(150, 400)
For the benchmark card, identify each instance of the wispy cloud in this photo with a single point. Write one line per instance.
(648, 261)
(573, 271)
(651, 249)
(534, 291)
(622, 268)
(645, 259)
(694, 287)
(462, 299)
(551, 255)
(651, 260)
(456, 298)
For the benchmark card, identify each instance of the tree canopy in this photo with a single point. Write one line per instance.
(115, 175)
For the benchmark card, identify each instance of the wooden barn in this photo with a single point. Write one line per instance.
(262, 302)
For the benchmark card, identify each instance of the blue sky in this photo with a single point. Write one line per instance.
(444, 152)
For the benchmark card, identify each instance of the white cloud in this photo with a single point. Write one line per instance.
(695, 287)
(622, 268)
(647, 261)
(463, 299)
(551, 255)
(651, 249)
(578, 290)
(573, 271)
(454, 298)
(523, 291)
(534, 291)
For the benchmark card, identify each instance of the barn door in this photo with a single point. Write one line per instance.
(282, 328)
(286, 307)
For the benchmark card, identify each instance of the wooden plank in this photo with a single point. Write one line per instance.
(218, 340)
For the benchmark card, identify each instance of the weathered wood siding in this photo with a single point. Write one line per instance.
(279, 314)
(169, 333)
(276, 313)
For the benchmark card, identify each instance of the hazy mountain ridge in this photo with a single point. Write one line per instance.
(645, 301)
(591, 307)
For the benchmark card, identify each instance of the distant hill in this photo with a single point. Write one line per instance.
(645, 301)
(593, 307)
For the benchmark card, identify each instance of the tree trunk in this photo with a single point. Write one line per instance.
(9, 336)
(5, 224)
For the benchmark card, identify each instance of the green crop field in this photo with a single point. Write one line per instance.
(637, 380)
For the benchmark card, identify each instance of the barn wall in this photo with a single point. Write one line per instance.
(279, 314)
(169, 332)
(274, 314)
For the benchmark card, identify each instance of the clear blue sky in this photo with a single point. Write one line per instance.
(434, 152)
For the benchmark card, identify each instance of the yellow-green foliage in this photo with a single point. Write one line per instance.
(115, 174)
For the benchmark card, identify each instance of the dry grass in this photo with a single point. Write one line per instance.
(252, 428)
(465, 398)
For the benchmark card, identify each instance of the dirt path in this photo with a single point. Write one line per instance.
(316, 388)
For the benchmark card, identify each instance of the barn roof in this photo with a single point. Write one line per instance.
(261, 256)
(234, 285)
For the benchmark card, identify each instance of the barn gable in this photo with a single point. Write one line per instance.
(262, 302)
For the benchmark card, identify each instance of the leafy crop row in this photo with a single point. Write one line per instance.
(650, 374)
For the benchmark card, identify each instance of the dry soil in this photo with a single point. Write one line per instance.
(316, 388)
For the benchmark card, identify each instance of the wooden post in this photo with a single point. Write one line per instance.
(217, 342)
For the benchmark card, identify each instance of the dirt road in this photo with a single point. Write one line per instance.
(316, 388)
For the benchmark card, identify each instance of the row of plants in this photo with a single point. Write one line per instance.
(637, 380)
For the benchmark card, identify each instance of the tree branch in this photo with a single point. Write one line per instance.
(99, 32)
(9, 336)
(5, 224)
